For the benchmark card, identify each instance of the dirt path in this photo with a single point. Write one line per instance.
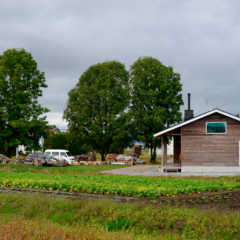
(225, 200)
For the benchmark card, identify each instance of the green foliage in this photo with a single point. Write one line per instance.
(56, 141)
(118, 224)
(77, 144)
(64, 140)
(156, 99)
(68, 170)
(21, 83)
(116, 185)
(96, 110)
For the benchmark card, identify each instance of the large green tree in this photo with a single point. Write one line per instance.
(21, 83)
(156, 99)
(96, 109)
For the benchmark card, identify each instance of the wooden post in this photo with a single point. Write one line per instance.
(164, 152)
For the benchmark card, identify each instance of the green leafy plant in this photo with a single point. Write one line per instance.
(118, 224)
(112, 185)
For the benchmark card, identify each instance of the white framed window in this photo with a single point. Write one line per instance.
(216, 127)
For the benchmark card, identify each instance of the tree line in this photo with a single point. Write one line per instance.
(107, 109)
(110, 106)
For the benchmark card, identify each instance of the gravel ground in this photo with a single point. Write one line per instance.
(155, 170)
(139, 170)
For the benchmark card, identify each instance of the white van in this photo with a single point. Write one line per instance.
(61, 154)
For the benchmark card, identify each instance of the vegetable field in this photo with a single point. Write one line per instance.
(112, 185)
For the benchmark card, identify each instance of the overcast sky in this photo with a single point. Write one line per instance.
(200, 39)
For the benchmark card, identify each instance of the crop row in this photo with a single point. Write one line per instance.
(115, 185)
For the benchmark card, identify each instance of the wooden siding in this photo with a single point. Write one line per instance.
(201, 149)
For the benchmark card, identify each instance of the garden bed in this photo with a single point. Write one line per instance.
(135, 186)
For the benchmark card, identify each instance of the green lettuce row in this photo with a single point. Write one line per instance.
(114, 185)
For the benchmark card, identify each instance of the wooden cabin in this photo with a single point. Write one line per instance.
(209, 139)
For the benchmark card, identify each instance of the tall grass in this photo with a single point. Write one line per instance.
(21, 229)
(101, 219)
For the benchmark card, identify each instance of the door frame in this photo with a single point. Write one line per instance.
(238, 153)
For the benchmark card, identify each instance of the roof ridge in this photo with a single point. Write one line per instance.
(200, 116)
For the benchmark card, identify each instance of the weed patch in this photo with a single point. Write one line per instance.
(118, 224)
(101, 219)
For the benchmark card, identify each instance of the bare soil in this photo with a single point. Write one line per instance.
(224, 200)
(220, 200)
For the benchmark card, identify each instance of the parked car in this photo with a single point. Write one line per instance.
(61, 154)
(30, 157)
(41, 159)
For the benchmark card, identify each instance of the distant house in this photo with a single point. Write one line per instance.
(209, 139)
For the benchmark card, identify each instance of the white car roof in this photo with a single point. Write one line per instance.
(56, 150)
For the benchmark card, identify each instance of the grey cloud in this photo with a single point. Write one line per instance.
(198, 38)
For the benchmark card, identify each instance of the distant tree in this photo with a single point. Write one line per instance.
(57, 141)
(156, 99)
(21, 116)
(96, 109)
(65, 140)
(77, 144)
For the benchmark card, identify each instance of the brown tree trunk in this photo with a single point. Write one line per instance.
(102, 156)
(153, 153)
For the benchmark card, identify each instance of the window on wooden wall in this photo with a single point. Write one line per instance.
(216, 127)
